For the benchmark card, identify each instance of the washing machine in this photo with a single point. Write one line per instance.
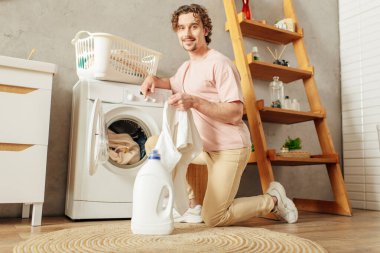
(98, 187)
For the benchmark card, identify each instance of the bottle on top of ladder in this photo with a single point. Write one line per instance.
(152, 199)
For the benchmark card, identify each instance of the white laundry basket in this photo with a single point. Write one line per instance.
(105, 56)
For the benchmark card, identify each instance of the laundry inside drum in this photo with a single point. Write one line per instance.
(127, 139)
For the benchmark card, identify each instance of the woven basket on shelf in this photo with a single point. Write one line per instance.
(295, 153)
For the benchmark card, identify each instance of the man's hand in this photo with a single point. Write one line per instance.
(226, 112)
(148, 85)
(151, 83)
(182, 101)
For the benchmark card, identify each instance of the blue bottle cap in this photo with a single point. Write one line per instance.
(154, 155)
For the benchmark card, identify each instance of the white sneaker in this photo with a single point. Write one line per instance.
(285, 207)
(192, 215)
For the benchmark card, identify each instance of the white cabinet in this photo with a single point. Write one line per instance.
(25, 96)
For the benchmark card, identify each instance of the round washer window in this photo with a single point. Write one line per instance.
(137, 130)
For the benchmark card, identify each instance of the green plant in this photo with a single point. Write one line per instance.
(252, 148)
(292, 144)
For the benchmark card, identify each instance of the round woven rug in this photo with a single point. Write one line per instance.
(185, 238)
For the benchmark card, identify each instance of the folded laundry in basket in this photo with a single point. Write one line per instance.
(122, 148)
(129, 63)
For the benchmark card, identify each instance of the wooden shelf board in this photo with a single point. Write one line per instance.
(298, 161)
(266, 71)
(265, 32)
(283, 116)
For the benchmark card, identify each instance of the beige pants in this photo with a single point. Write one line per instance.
(225, 168)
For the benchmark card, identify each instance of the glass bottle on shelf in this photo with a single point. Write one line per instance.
(246, 11)
(296, 105)
(276, 91)
(287, 103)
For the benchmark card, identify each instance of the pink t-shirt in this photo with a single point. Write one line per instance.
(216, 79)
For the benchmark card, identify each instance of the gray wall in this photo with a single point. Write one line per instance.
(49, 26)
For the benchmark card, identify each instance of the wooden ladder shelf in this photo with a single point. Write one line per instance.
(257, 113)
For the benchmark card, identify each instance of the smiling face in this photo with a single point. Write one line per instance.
(191, 34)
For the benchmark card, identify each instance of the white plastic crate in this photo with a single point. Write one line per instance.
(105, 56)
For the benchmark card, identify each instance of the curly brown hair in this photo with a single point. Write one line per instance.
(199, 12)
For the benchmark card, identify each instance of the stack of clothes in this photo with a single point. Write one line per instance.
(122, 148)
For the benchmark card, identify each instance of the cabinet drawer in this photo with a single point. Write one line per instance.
(25, 117)
(22, 173)
(25, 78)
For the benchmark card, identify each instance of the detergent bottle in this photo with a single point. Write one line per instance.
(153, 199)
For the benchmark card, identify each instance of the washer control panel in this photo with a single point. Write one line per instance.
(123, 93)
(132, 94)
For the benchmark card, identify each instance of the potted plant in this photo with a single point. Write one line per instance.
(292, 144)
(292, 147)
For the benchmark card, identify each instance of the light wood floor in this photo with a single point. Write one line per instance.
(360, 233)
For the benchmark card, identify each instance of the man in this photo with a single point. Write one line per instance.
(209, 85)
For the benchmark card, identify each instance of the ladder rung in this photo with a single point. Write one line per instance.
(266, 71)
(283, 116)
(257, 30)
(321, 206)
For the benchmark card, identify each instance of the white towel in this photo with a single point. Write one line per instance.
(122, 148)
(179, 143)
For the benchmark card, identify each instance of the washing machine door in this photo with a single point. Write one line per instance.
(97, 146)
